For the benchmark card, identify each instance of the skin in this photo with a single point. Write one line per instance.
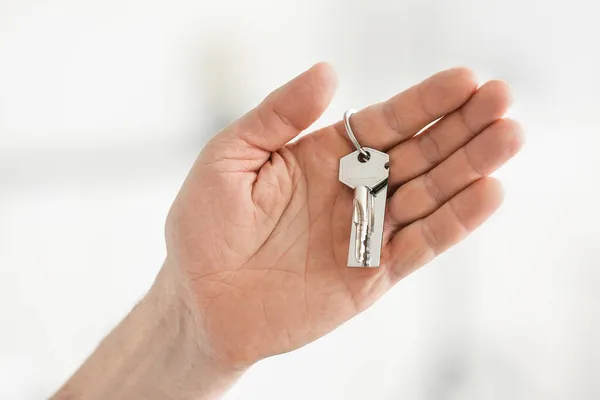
(257, 238)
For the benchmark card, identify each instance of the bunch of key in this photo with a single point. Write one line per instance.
(366, 171)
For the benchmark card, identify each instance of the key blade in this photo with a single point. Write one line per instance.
(363, 224)
(366, 238)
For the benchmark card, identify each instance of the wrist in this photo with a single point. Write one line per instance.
(186, 357)
(157, 352)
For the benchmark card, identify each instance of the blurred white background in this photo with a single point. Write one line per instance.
(105, 104)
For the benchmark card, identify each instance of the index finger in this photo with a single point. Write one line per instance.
(384, 125)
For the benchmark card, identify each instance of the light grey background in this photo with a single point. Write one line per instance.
(105, 104)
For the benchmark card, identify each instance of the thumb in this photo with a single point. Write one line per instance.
(287, 111)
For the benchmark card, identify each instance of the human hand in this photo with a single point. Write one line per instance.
(258, 235)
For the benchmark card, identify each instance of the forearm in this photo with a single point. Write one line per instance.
(155, 353)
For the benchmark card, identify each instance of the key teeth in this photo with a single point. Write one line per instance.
(366, 257)
(366, 261)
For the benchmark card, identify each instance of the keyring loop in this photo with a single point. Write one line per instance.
(350, 133)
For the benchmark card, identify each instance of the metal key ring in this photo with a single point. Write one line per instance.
(350, 133)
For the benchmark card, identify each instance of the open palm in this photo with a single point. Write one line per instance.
(260, 229)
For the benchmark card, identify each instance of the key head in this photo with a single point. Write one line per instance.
(357, 171)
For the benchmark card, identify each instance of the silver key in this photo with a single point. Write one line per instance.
(368, 176)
